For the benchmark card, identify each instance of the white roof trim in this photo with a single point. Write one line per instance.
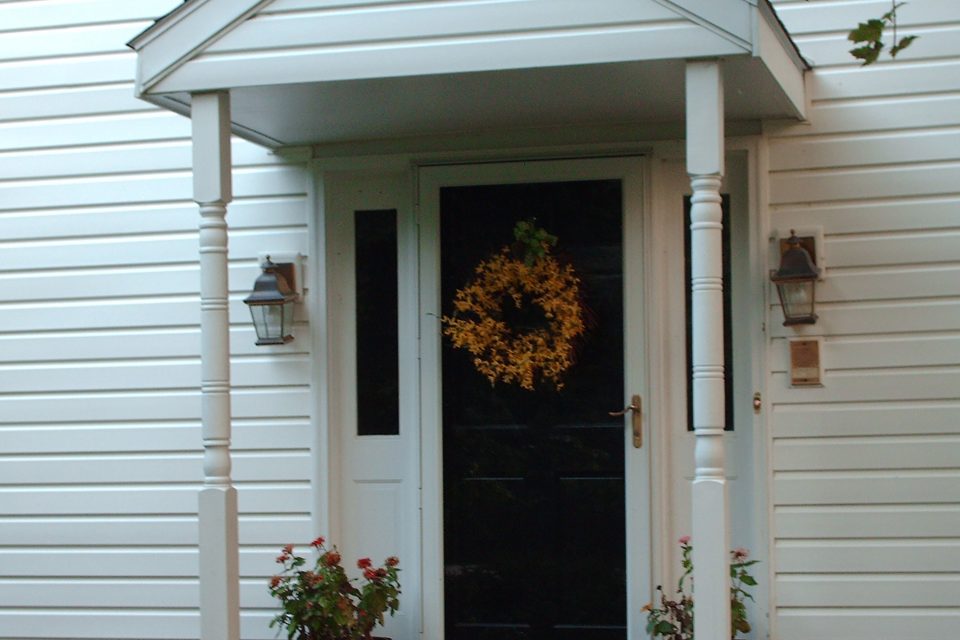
(780, 56)
(188, 30)
(177, 37)
(729, 19)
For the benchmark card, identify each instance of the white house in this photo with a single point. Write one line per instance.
(154, 459)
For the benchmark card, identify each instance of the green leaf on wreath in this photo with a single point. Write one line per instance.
(663, 628)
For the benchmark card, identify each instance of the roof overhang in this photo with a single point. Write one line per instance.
(310, 72)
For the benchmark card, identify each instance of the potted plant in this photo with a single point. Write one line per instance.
(673, 619)
(322, 603)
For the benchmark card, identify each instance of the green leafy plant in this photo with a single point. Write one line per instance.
(673, 618)
(533, 239)
(322, 603)
(869, 36)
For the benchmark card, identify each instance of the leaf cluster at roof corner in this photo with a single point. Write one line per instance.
(869, 36)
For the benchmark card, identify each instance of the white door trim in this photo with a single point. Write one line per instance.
(632, 171)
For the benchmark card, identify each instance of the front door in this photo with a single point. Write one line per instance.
(535, 500)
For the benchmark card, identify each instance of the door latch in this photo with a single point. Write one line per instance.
(635, 409)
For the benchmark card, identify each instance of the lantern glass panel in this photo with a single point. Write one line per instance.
(268, 321)
(286, 329)
(797, 299)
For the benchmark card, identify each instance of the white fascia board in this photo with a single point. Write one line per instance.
(182, 34)
(179, 103)
(730, 19)
(778, 53)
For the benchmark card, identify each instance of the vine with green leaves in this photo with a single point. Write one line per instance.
(869, 37)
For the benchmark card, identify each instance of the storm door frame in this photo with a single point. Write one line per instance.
(632, 171)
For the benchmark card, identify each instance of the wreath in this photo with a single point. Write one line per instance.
(520, 314)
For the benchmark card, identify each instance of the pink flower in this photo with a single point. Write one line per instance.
(287, 549)
(740, 554)
(684, 540)
(274, 581)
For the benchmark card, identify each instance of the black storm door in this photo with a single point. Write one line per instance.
(533, 491)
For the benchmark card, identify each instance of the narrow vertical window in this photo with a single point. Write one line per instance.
(378, 398)
(727, 314)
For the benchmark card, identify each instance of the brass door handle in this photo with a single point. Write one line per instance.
(635, 408)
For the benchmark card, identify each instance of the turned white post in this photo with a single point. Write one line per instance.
(705, 150)
(219, 565)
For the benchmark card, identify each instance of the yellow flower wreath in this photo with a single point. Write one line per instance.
(508, 354)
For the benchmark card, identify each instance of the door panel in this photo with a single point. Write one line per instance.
(534, 519)
(529, 498)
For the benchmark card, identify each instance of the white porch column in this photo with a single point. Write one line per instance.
(705, 151)
(219, 571)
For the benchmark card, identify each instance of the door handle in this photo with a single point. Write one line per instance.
(635, 408)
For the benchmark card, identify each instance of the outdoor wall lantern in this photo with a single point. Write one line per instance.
(796, 283)
(271, 302)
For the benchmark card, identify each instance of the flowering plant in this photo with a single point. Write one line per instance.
(322, 603)
(673, 619)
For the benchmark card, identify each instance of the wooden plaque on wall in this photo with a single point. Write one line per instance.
(805, 368)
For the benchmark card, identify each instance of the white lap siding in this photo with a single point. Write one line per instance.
(100, 446)
(866, 470)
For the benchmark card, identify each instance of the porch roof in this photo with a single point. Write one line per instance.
(328, 71)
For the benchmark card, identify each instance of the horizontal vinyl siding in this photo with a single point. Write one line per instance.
(100, 438)
(866, 470)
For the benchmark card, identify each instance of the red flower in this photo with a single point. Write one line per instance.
(370, 574)
(381, 573)
(318, 542)
(312, 579)
(363, 563)
(274, 581)
(287, 549)
(331, 558)
(393, 561)
(282, 558)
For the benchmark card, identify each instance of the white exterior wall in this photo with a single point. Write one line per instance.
(100, 454)
(866, 470)
(100, 446)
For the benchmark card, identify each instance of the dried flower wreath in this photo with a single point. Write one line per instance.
(520, 315)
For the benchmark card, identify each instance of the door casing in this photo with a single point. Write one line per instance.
(345, 184)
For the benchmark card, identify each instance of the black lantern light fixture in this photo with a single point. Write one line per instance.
(796, 283)
(271, 303)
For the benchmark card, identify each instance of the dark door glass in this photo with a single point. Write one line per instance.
(378, 373)
(534, 520)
